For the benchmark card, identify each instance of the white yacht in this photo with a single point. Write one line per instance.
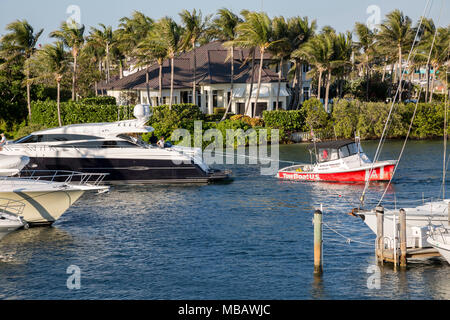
(10, 219)
(47, 197)
(113, 148)
(11, 165)
(418, 220)
(440, 239)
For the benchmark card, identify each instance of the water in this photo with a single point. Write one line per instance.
(251, 239)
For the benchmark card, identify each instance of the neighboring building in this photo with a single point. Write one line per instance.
(213, 82)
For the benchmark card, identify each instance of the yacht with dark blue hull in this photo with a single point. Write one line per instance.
(115, 149)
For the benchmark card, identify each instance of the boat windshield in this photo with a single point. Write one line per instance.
(134, 140)
(330, 154)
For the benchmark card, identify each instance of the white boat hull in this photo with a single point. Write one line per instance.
(443, 248)
(43, 208)
(7, 226)
(432, 213)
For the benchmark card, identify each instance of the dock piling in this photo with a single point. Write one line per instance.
(380, 234)
(318, 242)
(403, 247)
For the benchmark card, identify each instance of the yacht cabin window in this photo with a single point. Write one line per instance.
(328, 155)
(54, 138)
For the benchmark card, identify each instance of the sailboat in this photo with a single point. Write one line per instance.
(10, 219)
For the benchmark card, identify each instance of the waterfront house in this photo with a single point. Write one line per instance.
(213, 81)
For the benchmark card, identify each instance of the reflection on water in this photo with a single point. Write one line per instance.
(251, 239)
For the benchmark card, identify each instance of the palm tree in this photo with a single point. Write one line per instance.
(94, 55)
(224, 28)
(147, 52)
(256, 32)
(366, 46)
(318, 51)
(396, 31)
(54, 59)
(281, 50)
(104, 38)
(300, 31)
(22, 41)
(73, 38)
(194, 28)
(167, 34)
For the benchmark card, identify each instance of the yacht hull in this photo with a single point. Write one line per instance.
(131, 171)
(42, 208)
(6, 229)
(443, 248)
(380, 173)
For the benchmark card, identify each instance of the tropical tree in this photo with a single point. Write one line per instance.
(366, 46)
(72, 37)
(104, 38)
(148, 52)
(166, 34)
(54, 60)
(21, 41)
(280, 50)
(224, 28)
(396, 31)
(300, 31)
(256, 32)
(195, 26)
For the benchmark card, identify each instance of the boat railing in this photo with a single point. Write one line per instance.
(66, 177)
(14, 207)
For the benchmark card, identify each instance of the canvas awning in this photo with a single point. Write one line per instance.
(264, 92)
(238, 92)
(283, 92)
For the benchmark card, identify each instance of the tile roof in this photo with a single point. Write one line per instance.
(213, 67)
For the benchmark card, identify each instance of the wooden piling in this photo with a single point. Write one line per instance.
(403, 240)
(318, 242)
(380, 234)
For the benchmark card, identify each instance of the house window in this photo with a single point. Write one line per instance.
(280, 105)
(215, 98)
(305, 68)
(305, 93)
(207, 99)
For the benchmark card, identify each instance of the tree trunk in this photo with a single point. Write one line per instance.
(428, 83)
(280, 73)
(319, 84)
(171, 82)
(58, 101)
(295, 85)
(232, 85)
(327, 92)
(107, 64)
(251, 86)
(401, 73)
(300, 85)
(432, 86)
(74, 77)
(147, 85)
(120, 69)
(261, 52)
(160, 84)
(28, 93)
(194, 82)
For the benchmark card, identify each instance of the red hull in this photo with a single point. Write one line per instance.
(378, 174)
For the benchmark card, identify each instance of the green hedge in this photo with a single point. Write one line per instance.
(106, 100)
(45, 113)
(293, 120)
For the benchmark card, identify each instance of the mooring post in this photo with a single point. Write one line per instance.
(448, 211)
(403, 240)
(380, 234)
(318, 242)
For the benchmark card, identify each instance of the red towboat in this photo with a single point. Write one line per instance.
(341, 161)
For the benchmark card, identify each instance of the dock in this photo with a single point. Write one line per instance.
(400, 253)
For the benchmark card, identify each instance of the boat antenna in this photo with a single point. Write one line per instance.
(384, 134)
(445, 125)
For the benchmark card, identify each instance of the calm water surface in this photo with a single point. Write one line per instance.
(251, 239)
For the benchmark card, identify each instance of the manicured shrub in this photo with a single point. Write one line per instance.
(293, 120)
(105, 100)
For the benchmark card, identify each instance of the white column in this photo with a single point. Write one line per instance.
(210, 102)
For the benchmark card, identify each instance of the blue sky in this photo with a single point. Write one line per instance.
(341, 14)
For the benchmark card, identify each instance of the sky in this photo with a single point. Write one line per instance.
(340, 14)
